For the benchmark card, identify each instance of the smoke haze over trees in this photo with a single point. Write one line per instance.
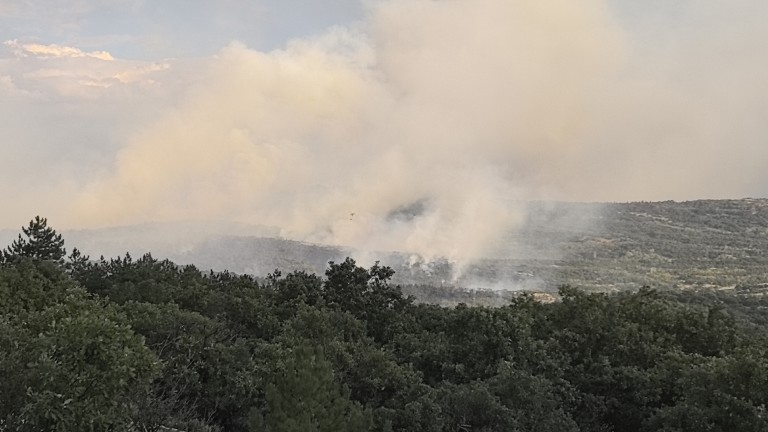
(462, 109)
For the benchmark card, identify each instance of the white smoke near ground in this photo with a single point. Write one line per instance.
(441, 103)
(325, 138)
(425, 128)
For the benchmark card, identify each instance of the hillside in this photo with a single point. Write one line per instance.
(699, 244)
(711, 244)
(718, 244)
(714, 244)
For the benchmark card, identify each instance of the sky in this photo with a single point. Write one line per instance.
(420, 125)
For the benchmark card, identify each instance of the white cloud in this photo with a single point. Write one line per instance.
(139, 73)
(61, 71)
(63, 118)
(52, 51)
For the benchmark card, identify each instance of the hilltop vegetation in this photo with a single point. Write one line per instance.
(699, 245)
(145, 345)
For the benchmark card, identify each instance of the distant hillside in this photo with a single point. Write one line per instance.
(711, 244)
(698, 244)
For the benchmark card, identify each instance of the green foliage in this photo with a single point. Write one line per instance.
(304, 397)
(144, 344)
(41, 242)
(27, 286)
(591, 362)
(366, 294)
(538, 404)
(69, 363)
(473, 407)
(718, 394)
(296, 288)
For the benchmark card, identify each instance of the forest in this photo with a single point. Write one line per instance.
(143, 344)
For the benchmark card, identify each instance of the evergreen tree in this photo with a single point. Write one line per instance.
(41, 242)
(306, 398)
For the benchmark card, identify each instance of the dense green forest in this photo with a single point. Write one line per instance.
(128, 344)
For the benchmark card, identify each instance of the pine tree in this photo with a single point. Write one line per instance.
(41, 242)
(307, 398)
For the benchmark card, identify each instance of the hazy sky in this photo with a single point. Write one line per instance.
(299, 114)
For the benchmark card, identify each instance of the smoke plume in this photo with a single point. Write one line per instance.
(426, 127)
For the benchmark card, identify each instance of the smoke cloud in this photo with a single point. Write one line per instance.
(426, 127)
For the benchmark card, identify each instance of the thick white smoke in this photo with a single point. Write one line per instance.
(439, 108)
(424, 128)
